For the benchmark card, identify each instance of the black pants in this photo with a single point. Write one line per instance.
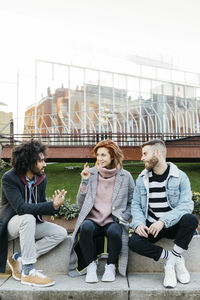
(182, 232)
(89, 230)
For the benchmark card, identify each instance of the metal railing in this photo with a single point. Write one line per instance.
(91, 139)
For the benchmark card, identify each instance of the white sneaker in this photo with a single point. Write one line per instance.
(91, 275)
(170, 280)
(182, 273)
(109, 273)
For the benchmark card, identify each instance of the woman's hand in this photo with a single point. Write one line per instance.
(85, 174)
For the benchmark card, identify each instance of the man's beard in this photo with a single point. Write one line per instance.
(149, 165)
(37, 171)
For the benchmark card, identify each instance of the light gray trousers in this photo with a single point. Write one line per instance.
(35, 238)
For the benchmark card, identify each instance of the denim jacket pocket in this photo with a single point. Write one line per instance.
(173, 196)
(143, 194)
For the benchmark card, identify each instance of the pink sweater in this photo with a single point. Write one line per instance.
(101, 211)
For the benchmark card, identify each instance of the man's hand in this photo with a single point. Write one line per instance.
(85, 174)
(156, 227)
(58, 198)
(142, 230)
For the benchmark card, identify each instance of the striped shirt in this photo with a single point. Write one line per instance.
(158, 204)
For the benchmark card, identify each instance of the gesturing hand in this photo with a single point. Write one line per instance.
(85, 174)
(142, 230)
(58, 198)
(155, 228)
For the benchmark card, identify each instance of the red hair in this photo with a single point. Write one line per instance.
(114, 151)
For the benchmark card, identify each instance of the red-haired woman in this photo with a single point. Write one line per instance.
(104, 197)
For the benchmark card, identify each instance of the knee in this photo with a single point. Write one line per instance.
(62, 233)
(86, 228)
(115, 232)
(134, 242)
(190, 220)
(28, 220)
(57, 232)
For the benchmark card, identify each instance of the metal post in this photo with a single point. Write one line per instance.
(99, 102)
(17, 100)
(35, 119)
(69, 102)
(84, 105)
(11, 132)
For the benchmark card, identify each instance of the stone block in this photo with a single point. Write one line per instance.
(55, 261)
(138, 263)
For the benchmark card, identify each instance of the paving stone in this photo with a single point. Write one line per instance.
(148, 286)
(66, 288)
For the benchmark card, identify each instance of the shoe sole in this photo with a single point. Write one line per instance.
(16, 278)
(105, 280)
(35, 284)
(183, 282)
(93, 281)
(170, 287)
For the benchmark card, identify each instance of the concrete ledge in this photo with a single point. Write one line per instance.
(148, 286)
(145, 284)
(137, 286)
(3, 278)
(138, 263)
(57, 260)
(66, 288)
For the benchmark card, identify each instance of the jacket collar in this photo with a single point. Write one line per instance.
(39, 179)
(173, 171)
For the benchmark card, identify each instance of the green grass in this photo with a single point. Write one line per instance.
(58, 177)
(193, 172)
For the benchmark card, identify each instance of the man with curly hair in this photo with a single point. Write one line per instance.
(22, 204)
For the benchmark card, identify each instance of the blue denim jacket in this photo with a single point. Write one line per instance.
(179, 197)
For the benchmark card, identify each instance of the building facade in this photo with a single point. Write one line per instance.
(145, 99)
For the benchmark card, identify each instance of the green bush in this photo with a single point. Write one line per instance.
(68, 210)
(4, 165)
(196, 199)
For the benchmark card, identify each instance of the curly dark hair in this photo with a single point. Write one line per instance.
(26, 155)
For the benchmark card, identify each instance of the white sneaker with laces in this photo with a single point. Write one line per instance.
(170, 280)
(109, 273)
(182, 273)
(91, 276)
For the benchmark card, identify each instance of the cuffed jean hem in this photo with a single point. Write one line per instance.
(28, 261)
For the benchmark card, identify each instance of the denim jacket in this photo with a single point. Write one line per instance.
(179, 197)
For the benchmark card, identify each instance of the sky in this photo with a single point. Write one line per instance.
(79, 31)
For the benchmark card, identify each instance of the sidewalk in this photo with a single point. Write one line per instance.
(137, 286)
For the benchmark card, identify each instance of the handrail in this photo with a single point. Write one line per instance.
(88, 139)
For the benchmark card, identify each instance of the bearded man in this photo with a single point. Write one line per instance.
(22, 204)
(162, 207)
